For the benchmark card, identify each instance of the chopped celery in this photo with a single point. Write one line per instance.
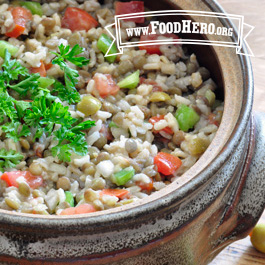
(113, 124)
(45, 82)
(33, 7)
(122, 177)
(4, 45)
(186, 117)
(69, 198)
(104, 42)
(209, 94)
(130, 81)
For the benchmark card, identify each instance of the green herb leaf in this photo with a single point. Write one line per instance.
(69, 142)
(9, 159)
(7, 107)
(65, 94)
(21, 106)
(44, 114)
(17, 77)
(83, 126)
(68, 93)
(70, 55)
(15, 130)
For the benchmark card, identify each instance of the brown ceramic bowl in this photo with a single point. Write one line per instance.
(215, 203)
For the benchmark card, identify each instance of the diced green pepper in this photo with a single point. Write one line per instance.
(113, 124)
(69, 198)
(33, 7)
(209, 94)
(45, 82)
(4, 45)
(131, 81)
(122, 177)
(103, 44)
(186, 117)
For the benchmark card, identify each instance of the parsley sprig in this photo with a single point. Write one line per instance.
(9, 159)
(44, 114)
(17, 77)
(71, 140)
(10, 113)
(68, 92)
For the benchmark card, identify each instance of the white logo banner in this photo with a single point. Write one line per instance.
(158, 32)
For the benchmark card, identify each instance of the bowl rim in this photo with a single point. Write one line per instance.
(105, 218)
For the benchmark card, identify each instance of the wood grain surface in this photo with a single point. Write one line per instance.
(242, 252)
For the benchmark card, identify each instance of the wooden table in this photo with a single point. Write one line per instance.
(242, 252)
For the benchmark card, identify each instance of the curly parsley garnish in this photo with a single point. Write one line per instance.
(44, 114)
(68, 92)
(17, 77)
(9, 159)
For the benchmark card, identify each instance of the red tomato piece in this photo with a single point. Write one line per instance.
(21, 17)
(41, 70)
(154, 49)
(158, 118)
(120, 193)
(146, 186)
(68, 211)
(77, 19)
(81, 209)
(48, 66)
(85, 208)
(11, 178)
(156, 87)
(105, 85)
(166, 163)
(122, 8)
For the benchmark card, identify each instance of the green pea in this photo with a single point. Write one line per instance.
(89, 105)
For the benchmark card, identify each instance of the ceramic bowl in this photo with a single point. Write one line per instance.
(190, 221)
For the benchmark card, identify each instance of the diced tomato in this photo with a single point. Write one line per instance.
(77, 19)
(154, 49)
(120, 193)
(81, 209)
(156, 87)
(212, 119)
(21, 17)
(41, 70)
(68, 211)
(146, 186)
(122, 8)
(105, 130)
(166, 163)
(11, 178)
(158, 118)
(85, 208)
(48, 66)
(105, 85)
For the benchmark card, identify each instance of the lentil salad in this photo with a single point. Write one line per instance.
(81, 132)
